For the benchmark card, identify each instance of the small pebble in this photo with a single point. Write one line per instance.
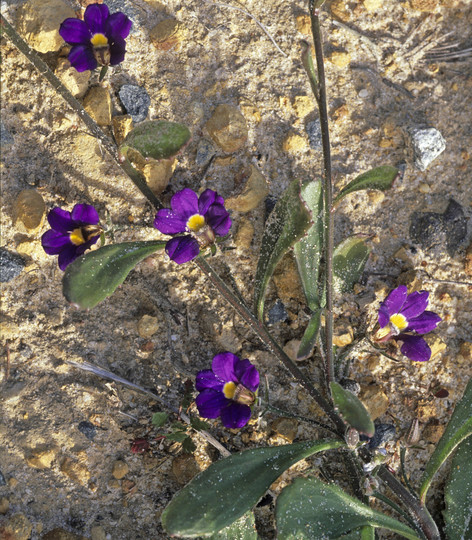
(136, 101)
(428, 144)
(227, 128)
(4, 505)
(277, 313)
(88, 429)
(97, 103)
(351, 385)
(29, 209)
(148, 326)
(184, 467)
(313, 130)
(205, 151)
(120, 469)
(383, 434)
(11, 265)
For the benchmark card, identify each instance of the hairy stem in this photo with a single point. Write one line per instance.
(328, 244)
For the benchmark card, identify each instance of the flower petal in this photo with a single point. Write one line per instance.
(426, 322)
(415, 348)
(85, 214)
(185, 203)
(168, 222)
(67, 255)
(117, 51)
(81, 58)
(182, 249)
(60, 220)
(218, 219)
(235, 415)
(207, 379)
(209, 403)
(75, 32)
(95, 16)
(224, 365)
(206, 199)
(118, 25)
(415, 304)
(392, 304)
(247, 375)
(53, 242)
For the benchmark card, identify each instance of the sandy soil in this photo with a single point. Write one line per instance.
(381, 85)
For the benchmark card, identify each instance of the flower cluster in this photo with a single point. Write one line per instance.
(228, 390)
(98, 39)
(197, 221)
(72, 233)
(402, 317)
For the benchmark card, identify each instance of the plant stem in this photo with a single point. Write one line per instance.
(418, 511)
(328, 244)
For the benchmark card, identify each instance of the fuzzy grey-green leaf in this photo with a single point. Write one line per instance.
(380, 178)
(349, 260)
(96, 275)
(243, 528)
(352, 409)
(232, 486)
(157, 139)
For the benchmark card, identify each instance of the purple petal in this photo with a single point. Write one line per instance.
(207, 379)
(117, 51)
(218, 219)
(426, 322)
(82, 59)
(67, 255)
(60, 220)
(209, 403)
(247, 375)
(75, 32)
(185, 203)
(224, 365)
(53, 242)
(206, 199)
(118, 25)
(182, 249)
(95, 16)
(85, 214)
(235, 415)
(168, 222)
(415, 348)
(392, 304)
(415, 304)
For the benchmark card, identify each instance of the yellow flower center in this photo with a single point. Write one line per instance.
(195, 222)
(229, 389)
(76, 237)
(399, 321)
(99, 40)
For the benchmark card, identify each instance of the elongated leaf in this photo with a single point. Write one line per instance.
(309, 509)
(458, 494)
(458, 429)
(352, 410)
(310, 336)
(242, 529)
(157, 139)
(349, 260)
(229, 488)
(380, 178)
(96, 275)
(365, 533)
(307, 251)
(287, 223)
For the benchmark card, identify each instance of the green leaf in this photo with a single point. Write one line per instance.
(229, 488)
(458, 429)
(381, 178)
(157, 139)
(177, 436)
(159, 419)
(308, 509)
(352, 409)
(287, 223)
(458, 494)
(198, 424)
(308, 250)
(365, 533)
(349, 260)
(96, 275)
(243, 528)
(188, 446)
(310, 336)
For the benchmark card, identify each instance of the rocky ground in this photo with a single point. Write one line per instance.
(69, 460)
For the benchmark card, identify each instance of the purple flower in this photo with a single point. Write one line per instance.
(203, 218)
(72, 233)
(228, 390)
(400, 313)
(98, 39)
